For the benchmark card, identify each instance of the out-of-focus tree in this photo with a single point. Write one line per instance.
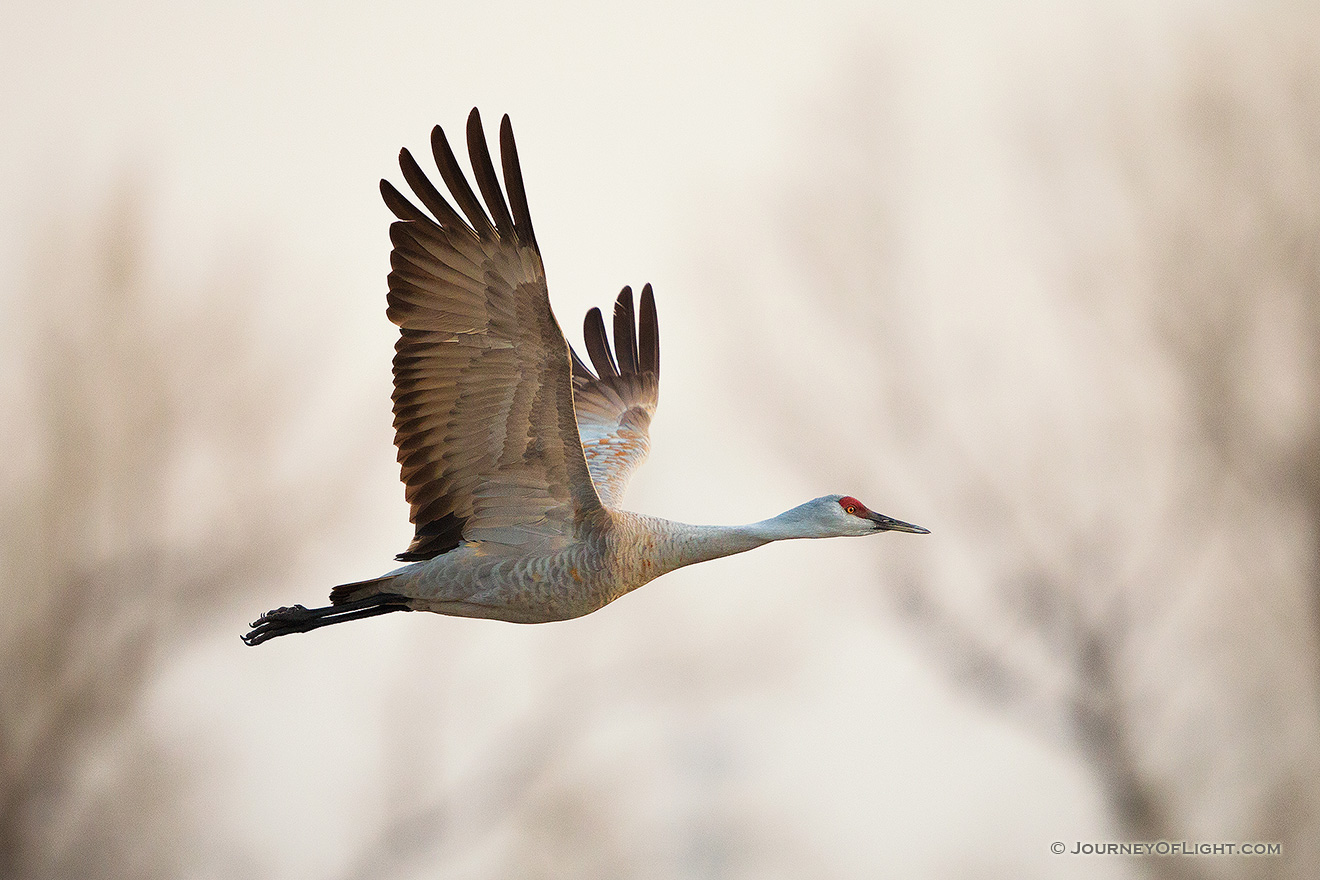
(1224, 179)
(538, 797)
(147, 491)
(1123, 492)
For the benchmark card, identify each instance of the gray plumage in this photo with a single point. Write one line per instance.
(514, 454)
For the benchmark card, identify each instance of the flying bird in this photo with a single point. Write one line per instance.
(514, 453)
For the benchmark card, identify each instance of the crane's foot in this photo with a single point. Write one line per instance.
(299, 618)
(284, 612)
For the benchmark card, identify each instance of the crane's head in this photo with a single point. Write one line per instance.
(844, 515)
(833, 516)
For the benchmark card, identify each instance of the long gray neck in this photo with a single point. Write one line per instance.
(682, 544)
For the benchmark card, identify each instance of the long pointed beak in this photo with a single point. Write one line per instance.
(889, 524)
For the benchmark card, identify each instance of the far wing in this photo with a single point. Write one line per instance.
(614, 408)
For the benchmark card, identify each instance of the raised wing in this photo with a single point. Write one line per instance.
(483, 394)
(614, 408)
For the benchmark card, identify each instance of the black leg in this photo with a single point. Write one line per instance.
(297, 619)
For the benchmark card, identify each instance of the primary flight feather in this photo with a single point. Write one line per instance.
(515, 455)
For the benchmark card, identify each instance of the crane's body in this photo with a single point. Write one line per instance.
(481, 579)
(515, 454)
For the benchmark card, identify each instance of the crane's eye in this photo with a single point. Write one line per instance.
(850, 509)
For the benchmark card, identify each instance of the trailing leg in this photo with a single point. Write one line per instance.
(298, 619)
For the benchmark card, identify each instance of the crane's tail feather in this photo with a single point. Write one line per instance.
(297, 619)
(360, 590)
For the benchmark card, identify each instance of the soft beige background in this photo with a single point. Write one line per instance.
(925, 254)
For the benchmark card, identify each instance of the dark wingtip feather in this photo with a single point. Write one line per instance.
(649, 333)
(593, 332)
(625, 332)
(398, 204)
(457, 183)
(513, 184)
(430, 196)
(484, 170)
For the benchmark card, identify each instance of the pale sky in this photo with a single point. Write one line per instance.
(259, 132)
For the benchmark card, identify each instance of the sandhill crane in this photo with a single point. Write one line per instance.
(514, 454)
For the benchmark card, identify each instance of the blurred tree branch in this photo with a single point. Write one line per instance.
(540, 798)
(152, 495)
(1092, 620)
(1229, 211)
